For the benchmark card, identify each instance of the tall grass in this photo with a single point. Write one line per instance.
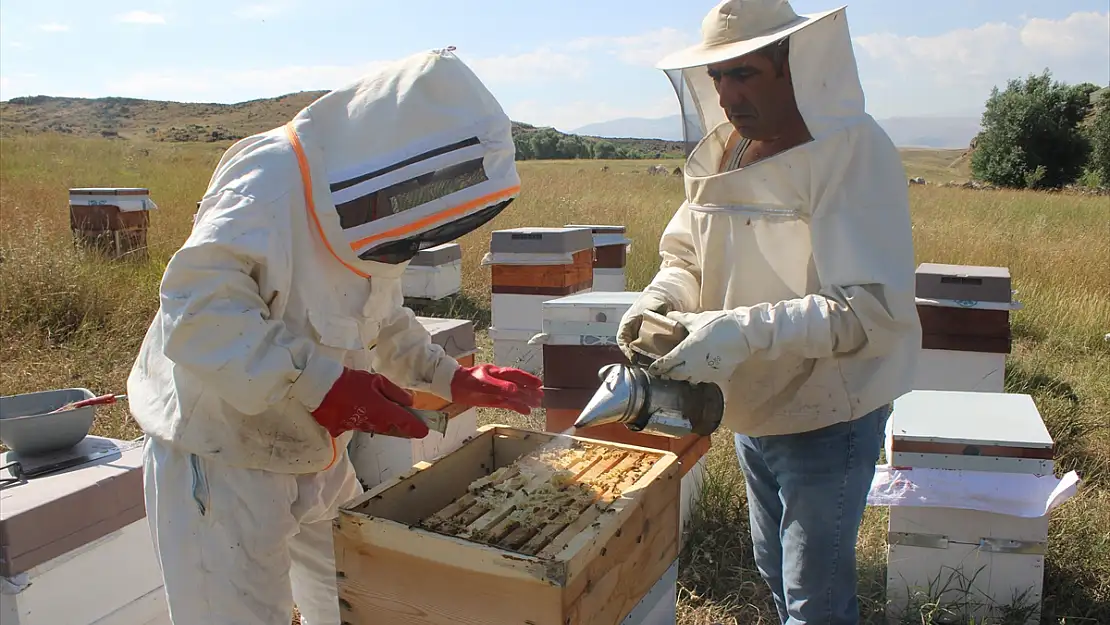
(68, 318)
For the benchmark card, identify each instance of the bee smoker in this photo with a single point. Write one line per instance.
(646, 403)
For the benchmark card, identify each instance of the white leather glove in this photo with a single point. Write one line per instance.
(629, 328)
(721, 340)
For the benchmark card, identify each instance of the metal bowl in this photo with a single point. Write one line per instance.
(27, 429)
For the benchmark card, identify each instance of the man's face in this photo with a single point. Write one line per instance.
(755, 97)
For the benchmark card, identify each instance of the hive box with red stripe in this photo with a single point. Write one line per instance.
(983, 557)
(965, 327)
(379, 458)
(75, 546)
(610, 256)
(579, 338)
(529, 266)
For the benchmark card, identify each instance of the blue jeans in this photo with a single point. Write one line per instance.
(806, 497)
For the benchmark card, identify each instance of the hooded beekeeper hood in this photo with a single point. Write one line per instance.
(795, 272)
(414, 156)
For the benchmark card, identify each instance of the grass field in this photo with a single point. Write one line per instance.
(69, 320)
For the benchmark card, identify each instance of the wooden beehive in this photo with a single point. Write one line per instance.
(610, 256)
(434, 273)
(995, 557)
(113, 221)
(529, 266)
(513, 527)
(965, 327)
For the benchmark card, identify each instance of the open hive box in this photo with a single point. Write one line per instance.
(514, 527)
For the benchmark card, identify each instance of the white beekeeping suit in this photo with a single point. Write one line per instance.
(289, 282)
(794, 274)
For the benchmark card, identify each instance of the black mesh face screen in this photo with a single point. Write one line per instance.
(397, 252)
(407, 194)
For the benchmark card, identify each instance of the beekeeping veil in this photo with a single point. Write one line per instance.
(412, 156)
(822, 65)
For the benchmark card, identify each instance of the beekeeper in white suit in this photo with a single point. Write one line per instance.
(791, 264)
(281, 329)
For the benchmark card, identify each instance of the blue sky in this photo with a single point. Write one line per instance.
(563, 64)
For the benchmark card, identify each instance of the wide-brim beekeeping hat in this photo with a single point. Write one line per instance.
(734, 28)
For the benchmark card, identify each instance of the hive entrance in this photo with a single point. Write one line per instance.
(537, 504)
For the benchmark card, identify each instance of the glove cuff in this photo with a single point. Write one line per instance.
(443, 376)
(314, 382)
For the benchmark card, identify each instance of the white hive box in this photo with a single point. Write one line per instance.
(997, 556)
(965, 323)
(610, 256)
(591, 318)
(435, 273)
(529, 266)
(76, 545)
(660, 606)
(380, 458)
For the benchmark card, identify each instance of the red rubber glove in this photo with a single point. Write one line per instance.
(490, 386)
(368, 402)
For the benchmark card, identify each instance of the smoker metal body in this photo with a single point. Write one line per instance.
(647, 403)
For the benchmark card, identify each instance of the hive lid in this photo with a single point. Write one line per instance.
(596, 229)
(48, 516)
(109, 191)
(594, 299)
(438, 255)
(940, 418)
(455, 336)
(541, 240)
(963, 282)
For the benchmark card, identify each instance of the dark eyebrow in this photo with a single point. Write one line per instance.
(739, 71)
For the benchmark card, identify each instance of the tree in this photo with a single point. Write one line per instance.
(1031, 135)
(1099, 135)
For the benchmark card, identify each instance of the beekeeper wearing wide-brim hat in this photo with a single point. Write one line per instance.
(281, 331)
(791, 264)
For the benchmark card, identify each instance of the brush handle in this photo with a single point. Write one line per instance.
(92, 401)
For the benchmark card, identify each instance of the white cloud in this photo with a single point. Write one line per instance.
(539, 65)
(976, 59)
(644, 49)
(141, 17)
(263, 10)
(54, 27)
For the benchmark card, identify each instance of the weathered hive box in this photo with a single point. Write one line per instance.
(1000, 557)
(434, 273)
(76, 547)
(529, 266)
(513, 527)
(579, 338)
(112, 220)
(379, 458)
(965, 323)
(610, 256)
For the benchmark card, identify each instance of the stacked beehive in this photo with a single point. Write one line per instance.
(579, 338)
(379, 458)
(529, 266)
(956, 548)
(434, 273)
(965, 324)
(75, 546)
(610, 256)
(113, 221)
(514, 527)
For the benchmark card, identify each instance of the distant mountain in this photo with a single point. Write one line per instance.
(917, 132)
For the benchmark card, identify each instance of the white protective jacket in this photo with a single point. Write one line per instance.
(268, 298)
(808, 255)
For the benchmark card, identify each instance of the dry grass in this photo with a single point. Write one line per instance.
(70, 320)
